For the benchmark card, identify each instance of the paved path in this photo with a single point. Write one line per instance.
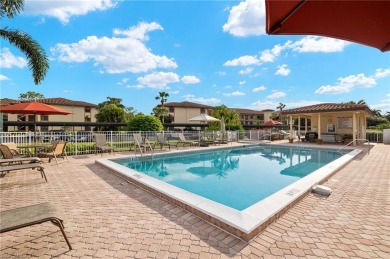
(106, 217)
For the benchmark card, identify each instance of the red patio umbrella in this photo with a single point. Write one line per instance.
(271, 123)
(33, 108)
(361, 21)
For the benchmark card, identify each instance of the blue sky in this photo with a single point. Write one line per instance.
(210, 52)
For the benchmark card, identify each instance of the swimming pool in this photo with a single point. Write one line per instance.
(239, 189)
(237, 178)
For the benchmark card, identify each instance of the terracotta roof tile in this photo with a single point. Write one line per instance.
(51, 101)
(329, 107)
(187, 104)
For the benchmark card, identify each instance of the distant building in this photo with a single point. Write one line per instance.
(252, 118)
(80, 112)
(183, 111)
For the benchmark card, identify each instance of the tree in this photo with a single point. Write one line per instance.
(359, 102)
(112, 100)
(281, 107)
(36, 56)
(31, 96)
(160, 112)
(145, 123)
(129, 113)
(163, 97)
(231, 118)
(110, 113)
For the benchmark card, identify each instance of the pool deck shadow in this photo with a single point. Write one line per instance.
(106, 217)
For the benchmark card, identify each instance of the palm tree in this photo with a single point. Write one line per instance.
(281, 107)
(163, 97)
(36, 56)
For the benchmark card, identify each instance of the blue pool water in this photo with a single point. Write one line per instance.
(238, 177)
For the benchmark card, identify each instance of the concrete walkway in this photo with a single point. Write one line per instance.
(106, 217)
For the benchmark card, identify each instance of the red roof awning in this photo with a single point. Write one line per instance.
(33, 108)
(361, 21)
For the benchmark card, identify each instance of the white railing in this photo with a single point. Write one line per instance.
(353, 141)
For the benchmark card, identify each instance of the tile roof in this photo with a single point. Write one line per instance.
(329, 107)
(51, 101)
(187, 104)
(248, 111)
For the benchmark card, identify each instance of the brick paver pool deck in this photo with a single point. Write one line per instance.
(106, 217)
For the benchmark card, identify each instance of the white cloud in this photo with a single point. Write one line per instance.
(260, 88)
(318, 44)
(276, 95)
(190, 80)
(124, 81)
(158, 80)
(268, 104)
(174, 92)
(346, 84)
(243, 61)
(236, 93)
(246, 71)
(381, 73)
(139, 32)
(247, 18)
(3, 78)
(136, 86)
(64, 10)
(8, 60)
(208, 101)
(221, 73)
(269, 55)
(228, 87)
(116, 55)
(283, 70)
(242, 82)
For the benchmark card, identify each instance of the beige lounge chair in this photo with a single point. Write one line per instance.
(142, 146)
(38, 166)
(102, 145)
(184, 141)
(58, 150)
(13, 148)
(7, 152)
(163, 143)
(20, 160)
(29, 216)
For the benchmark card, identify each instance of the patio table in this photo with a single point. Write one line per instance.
(35, 147)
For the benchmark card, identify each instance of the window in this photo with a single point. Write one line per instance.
(171, 109)
(251, 117)
(202, 110)
(44, 117)
(87, 109)
(260, 117)
(5, 117)
(44, 128)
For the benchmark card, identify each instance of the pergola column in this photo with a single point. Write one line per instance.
(319, 125)
(291, 126)
(354, 128)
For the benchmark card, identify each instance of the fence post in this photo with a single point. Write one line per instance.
(75, 143)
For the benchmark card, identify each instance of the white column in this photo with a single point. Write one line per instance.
(299, 127)
(305, 125)
(291, 126)
(354, 127)
(319, 125)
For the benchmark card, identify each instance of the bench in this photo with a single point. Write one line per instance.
(7, 168)
(29, 216)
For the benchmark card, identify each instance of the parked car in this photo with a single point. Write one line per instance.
(82, 136)
(54, 135)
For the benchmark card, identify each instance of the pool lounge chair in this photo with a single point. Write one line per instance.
(20, 160)
(184, 141)
(29, 216)
(13, 148)
(7, 152)
(163, 143)
(58, 150)
(141, 145)
(102, 145)
(38, 166)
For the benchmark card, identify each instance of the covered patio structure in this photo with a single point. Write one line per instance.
(332, 122)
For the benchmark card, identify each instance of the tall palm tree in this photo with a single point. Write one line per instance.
(36, 56)
(281, 107)
(163, 97)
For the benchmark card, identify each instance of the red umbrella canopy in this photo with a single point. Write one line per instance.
(271, 123)
(361, 21)
(33, 108)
